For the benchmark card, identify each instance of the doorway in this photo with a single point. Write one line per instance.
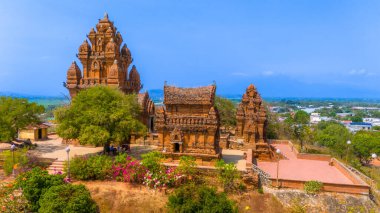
(39, 137)
(176, 147)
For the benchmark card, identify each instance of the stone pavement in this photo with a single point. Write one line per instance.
(53, 148)
(292, 168)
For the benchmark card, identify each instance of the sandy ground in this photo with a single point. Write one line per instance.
(124, 197)
(53, 148)
(293, 168)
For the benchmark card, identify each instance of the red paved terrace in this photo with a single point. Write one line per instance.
(292, 168)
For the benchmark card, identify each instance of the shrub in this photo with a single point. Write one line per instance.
(187, 166)
(152, 161)
(67, 198)
(34, 184)
(11, 200)
(131, 171)
(227, 173)
(312, 187)
(121, 158)
(191, 198)
(20, 160)
(97, 167)
(166, 177)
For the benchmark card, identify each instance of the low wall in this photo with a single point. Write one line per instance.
(319, 157)
(328, 187)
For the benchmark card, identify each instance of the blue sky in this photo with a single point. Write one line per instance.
(293, 48)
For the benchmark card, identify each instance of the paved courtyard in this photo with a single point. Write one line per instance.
(292, 168)
(53, 148)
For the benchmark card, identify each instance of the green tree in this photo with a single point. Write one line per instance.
(67, 198)
(357, 118)
(192, 198)
(100, 115)
(334, 136)
(227, 111)
(365, 143)
(301, 117)
(15, 114)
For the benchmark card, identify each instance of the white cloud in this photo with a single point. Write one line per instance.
(267, 73)
(360, 72)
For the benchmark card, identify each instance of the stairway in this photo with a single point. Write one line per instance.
(56, 167)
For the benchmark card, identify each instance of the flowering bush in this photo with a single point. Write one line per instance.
(131, 171)
(12, 200)
(164, 178)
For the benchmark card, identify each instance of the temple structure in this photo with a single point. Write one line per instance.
(251, 121)
(188, 123)
(104, 62)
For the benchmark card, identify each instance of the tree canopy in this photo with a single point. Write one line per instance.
(100, 115)
(227, 111)
(333, 135)
(365, 143)
(15, 114)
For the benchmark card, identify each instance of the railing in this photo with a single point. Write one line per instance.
(375, 192)
(263, 176)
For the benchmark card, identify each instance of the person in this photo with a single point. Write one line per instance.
(112, 149)
(118, 149)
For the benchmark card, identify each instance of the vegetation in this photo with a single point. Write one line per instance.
(334, 136)
(187, 166)
(227, 111)
(365, 143)
(16, 114)
(19, 157)
(312, 187)
(100, 115)
(11, 200)
(191, 198)
(227, 173)
(67, 198)
(97, 167)
(152, 161)
(35, 183)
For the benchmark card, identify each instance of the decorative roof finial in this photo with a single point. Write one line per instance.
(105, 15)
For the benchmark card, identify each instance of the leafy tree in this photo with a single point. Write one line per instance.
(100, 115)
(301, 117)
(227, 111)
(67, 198)
(192, 198)
(365, 143)
(15, 114)
(357, 118)
(334, 136)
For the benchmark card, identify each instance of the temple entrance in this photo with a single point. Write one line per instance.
(151, 124)
(176, 147)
